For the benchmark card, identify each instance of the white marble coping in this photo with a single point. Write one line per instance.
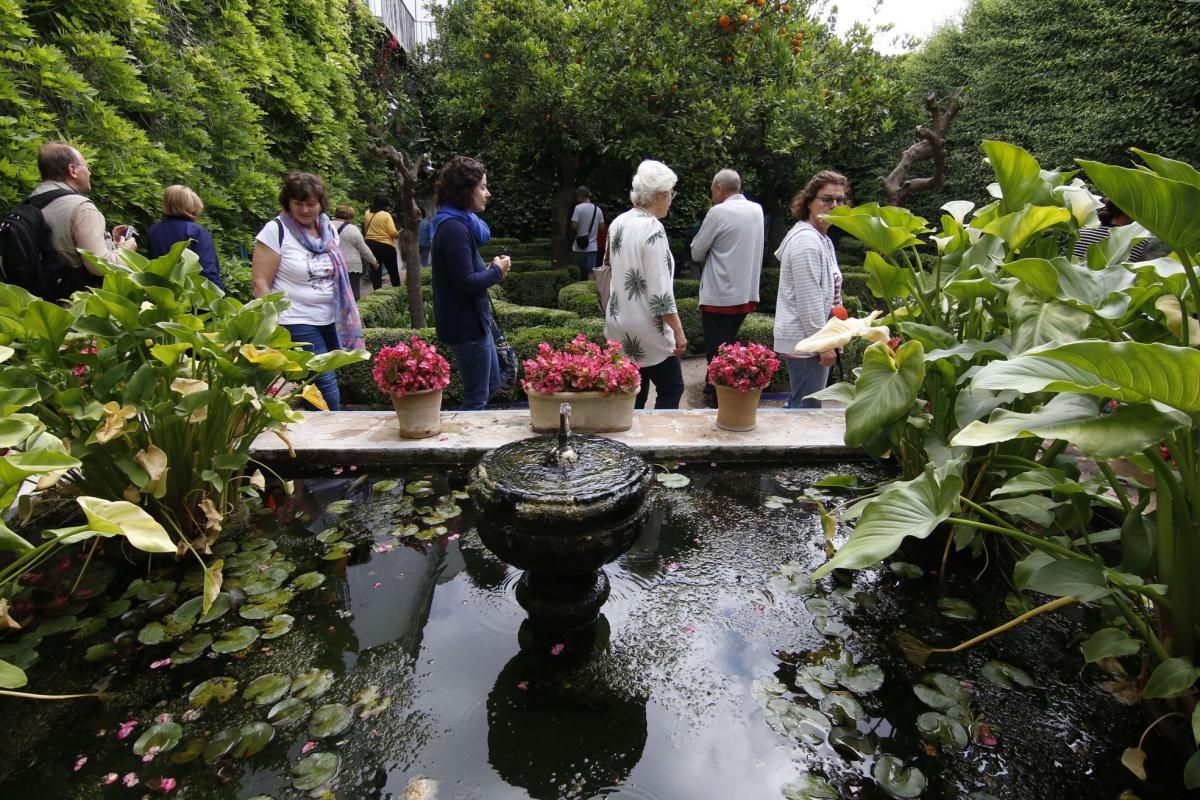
(370, 438)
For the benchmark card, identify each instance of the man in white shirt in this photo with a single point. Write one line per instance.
(585, 222)
(730, 246)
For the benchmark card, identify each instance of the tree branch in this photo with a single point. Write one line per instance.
(931, 145)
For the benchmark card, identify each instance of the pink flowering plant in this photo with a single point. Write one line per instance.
(411, 366)
(743, 366)
(581, 366)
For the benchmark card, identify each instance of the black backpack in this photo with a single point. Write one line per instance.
(27, 256)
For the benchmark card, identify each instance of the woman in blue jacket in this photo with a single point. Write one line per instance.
(180, 208)
(462, 310)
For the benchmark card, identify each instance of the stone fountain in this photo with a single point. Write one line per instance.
(560, 508)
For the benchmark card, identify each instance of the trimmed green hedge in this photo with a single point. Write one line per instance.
(689, 318)
(382, 307)
(532, 265)
(518, 252)
(854, 284)
(512, 317)
(535, 288)
(582, 298)
(850, 251)
(768, 290)
(686, 287)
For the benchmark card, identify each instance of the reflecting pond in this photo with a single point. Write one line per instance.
(368, 645)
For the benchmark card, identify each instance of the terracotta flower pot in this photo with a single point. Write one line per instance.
(735, 411)
(591, 412)
(419, 413)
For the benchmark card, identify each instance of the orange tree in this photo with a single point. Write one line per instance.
(550, 94)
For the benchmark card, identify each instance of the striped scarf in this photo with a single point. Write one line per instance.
(346, 318)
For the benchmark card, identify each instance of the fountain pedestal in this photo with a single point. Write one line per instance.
(560, 509)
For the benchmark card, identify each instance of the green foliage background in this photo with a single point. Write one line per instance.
(1064, 79)
(222, 97)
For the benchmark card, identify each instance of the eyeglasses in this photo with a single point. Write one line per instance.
(670, 192)
(840, 200)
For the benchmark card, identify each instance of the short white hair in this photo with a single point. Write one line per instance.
(652, 177)
(728, 180)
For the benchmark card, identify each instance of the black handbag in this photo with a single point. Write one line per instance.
(505, 355)
(582, 241)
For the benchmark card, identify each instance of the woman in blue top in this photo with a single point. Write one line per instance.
(180, 208)
(462, 310)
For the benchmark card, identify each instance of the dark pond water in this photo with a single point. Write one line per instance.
(394, 658)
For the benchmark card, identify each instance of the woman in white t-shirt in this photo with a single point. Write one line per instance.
(641, 312)
(297, 253)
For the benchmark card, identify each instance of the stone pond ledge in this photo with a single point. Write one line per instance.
(370, 438)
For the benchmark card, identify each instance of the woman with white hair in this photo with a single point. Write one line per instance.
(641, 311)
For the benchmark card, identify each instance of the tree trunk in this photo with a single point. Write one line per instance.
(931, 145)
(405, 170)
(560, 209)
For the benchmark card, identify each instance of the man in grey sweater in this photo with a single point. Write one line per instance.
(730, 246)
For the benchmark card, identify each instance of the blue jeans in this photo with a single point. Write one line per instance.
(806, 375)
(480, 370)
(586, 262)
(320, 339)
(667, 377)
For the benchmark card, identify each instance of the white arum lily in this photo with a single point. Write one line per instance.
(1082, 204)
(838, 332)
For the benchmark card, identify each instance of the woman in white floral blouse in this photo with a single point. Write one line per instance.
(641, 311)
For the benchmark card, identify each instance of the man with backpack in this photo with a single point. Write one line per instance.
(41, 239)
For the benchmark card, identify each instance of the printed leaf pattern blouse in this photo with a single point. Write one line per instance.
(642, 288)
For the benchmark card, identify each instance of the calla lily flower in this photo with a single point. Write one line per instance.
(313, 395)
(115, 416)
(838, 332)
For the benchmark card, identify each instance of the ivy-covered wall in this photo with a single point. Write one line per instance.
(222, 96)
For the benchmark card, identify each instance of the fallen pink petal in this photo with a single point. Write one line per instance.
(110, 779)
(130, 779)
(163, 784)
(558, 648)
(79, 762)
(453, 536)
(376, 585)
(126, 728)
(689, 628)
(162, 662)
(164, 718)
(671, 567)
(308, 747)
(523, 685)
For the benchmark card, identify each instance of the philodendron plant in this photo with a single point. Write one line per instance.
(1049, 401)
(155, 385)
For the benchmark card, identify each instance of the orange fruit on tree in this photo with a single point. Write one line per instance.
(787, 9)
(487, 56)
(723, 21)
(743, 19)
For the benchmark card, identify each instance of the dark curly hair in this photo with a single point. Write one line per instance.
(303, 186)
(803, 199)
(458, 180)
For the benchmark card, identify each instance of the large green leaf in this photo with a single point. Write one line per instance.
(1071, 577)
(1170, 678)
(1018, 174)
(1036, 321)
(1139, 371)
(1166, 207)
(1090, 289)
(16, 428)
(870, 225)
(11, 676)
(1077, 419)
(10, 540)
(121, 518)
(883, 279)
(904, 508)
(1019, 227)
(1170, 168)
(46, 324)
(337, 358)
(885, 390)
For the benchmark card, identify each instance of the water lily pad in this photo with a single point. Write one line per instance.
(370, 701)
(90, 627)
(338, 551)
(288, 712)
(58, 625)
(148, 591)
(941, 692)
(268, 580)
(267, 689)
(224, 549)
(419, 488)
(450, 510)
(1007, 675)
(832, 626)
(330, 535)
(254, 737)
(222, 744)
(188, 612)
(309, 580)
(278, 626)
(338, 507)
(312, 684)
(774, 501)
(258, 543)
(411, 529)
(956, 608)
(115, 609)
(314, 770)
(196, 643)
(820, 607)
(213, 690)
(903, 569)
(193, 748)
(163, 736)
(329, 720)
(942, 729)
(220, 606)
(897, 779)
(837, 482)
(672, 480)
(383, 487)
(843, 707)
(792, 577)
(860, 679)
(809, 787)
(459, 494)
(798, 721)
(97, 652)
(152, 634)
(231, 641)
(850, 743)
